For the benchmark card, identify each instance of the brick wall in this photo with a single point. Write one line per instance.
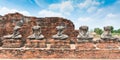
(48, 25)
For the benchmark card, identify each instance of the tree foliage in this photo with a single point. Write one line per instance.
(112, 29)
(98, 31)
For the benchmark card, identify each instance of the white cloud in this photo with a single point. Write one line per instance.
(64, 7)
(112, 20)
(92, 15)
(85, 4)
(84, 19)
(111, 15)
(92, 9)
(5, 10)
(88, 3)
(57, 10)
(93, 21)
(47, 13)
(90, 6)
(95, 2)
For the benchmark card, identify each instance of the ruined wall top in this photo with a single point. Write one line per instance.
(48, 24)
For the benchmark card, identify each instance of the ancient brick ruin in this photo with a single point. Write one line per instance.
(48, 47)
(48, 25)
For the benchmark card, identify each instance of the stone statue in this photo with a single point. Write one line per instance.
(60, 35)
(106, 35)
(83, 34)
(36, 33)
(16, 34)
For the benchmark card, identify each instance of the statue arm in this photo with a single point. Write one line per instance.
(40, 31)
(16, 33)
(80, 34)
(89, 35)
(102, 35)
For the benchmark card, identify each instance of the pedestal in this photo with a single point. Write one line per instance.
(36, 43)
(108, 44)
(12, 43)
(84, 41)
(59, 43)
(84, 45)
(72, 46)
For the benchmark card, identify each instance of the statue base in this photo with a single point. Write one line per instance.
(85, 46)
(84, 41)
(59, 43)
(36, 43)
(12, 43)
(58, 54)
(108, 45)
(109, 40)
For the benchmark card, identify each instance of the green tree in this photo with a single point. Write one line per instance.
(98, 31)
(118, 31)
(115, 31)
(112, 29)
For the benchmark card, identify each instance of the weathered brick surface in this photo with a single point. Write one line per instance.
(35, 43)
(86, 54)
(108, 45)
(85, 46)
(7, 43)
(48, 24)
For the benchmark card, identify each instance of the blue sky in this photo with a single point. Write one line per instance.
(93, 13)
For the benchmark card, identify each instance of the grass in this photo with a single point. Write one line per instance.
(116, 34)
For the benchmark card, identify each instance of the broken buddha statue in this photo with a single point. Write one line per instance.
(60, 35)
(16, 34)
(84, 35)
(37, 34)
(106, 35)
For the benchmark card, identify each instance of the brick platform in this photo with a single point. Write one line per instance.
(35, 43)
(84, 46)
(59, 43)
(12, 43)
(85, 51)
(50, 48)
(52, 53)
